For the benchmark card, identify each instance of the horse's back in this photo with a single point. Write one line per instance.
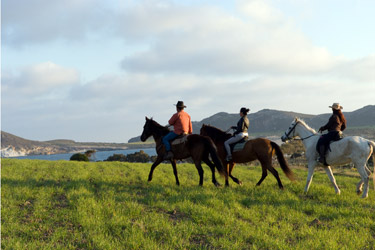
(354, 148)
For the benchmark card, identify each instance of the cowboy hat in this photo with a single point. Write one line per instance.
(336, 106)
(180, 104)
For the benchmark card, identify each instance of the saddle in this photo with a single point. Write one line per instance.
(327, 145)
(238, 146)
(179, 139)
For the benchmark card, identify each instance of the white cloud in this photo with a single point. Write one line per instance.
(213, 58)
(40, 79)
(41, 21)
(211, 41)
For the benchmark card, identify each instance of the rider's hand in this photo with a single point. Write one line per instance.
(321, 130)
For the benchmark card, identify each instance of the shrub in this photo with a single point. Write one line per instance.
(79, 157)
(140, 156)
(117, 157)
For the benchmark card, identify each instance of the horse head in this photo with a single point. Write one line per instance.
(152, 128)
(147, 131)
(290, 133)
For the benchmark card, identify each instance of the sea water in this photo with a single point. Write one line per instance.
(98, 156)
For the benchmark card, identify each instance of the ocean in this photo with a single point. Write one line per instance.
(98, 156)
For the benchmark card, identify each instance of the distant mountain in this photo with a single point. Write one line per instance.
(264, 123)
(269, 122)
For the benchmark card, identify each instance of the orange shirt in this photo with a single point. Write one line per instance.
(181, 122)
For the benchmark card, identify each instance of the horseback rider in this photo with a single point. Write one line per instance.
(181, 123)
(240, 132)
(335, 125)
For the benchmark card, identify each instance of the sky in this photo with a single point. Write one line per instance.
(92, 70)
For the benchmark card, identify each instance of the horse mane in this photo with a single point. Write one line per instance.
(162, 130)
(306, 126)
(216, 133)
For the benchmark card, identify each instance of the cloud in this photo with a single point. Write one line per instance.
(42, 21)
(39, 79)
(208, 40)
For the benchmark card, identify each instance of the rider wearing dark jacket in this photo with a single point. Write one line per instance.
(239, 134)
(335, 125)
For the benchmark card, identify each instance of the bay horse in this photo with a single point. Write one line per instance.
(256, 149)
(349, 149)
(198, 147)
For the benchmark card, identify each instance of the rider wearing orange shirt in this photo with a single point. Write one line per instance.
(181, 123)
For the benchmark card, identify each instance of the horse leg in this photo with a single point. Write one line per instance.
(200, 172)
(332, 179)
(231, 166)
(276, 174)
(159, 159)
(212, 167)
(360, 183)
(175, 172)
(364, 178)
(311, 168)
(264, 175)
(226, 177)
(359, 187)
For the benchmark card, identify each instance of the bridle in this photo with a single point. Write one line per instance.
(292, 129)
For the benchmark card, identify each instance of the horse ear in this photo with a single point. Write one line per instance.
(146, 118)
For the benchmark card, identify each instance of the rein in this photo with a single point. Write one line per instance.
(296, 139)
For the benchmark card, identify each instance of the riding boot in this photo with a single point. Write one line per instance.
(229, 158)
(168, 156)
(322, 152)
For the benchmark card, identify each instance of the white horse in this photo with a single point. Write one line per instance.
(349, 149)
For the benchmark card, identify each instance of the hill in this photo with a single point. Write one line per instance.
(264, 123)
(12, 145)
(269, 122)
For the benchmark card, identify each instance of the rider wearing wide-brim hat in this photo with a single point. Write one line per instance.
(181, 123)
(335, 125)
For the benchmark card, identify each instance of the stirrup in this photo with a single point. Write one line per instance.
(229, 158)
(168, 156)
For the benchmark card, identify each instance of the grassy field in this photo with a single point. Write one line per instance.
(110, 205)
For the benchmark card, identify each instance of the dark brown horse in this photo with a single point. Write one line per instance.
(197, 147)
(257, 149)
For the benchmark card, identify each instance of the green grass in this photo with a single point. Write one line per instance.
(109, 205)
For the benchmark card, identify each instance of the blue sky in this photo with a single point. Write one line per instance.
(91, 70)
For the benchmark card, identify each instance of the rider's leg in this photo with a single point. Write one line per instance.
(231, 140)
(166, 141)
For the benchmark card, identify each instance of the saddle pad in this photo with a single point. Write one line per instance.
(239, 146)
(179, 140)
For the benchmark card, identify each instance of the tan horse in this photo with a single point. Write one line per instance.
(257, 149)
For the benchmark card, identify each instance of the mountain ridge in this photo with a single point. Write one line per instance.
(264, 123)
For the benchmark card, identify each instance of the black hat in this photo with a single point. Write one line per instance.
(180, 104)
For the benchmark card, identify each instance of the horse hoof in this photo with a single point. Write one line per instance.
(240, 183)
(359, 192)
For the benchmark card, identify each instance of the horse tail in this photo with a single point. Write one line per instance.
(283, 163)
(372, 144)
(214, 156)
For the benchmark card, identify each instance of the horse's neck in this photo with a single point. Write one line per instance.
(221, 137)
(305, 134)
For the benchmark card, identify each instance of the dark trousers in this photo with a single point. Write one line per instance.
(323, 144)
